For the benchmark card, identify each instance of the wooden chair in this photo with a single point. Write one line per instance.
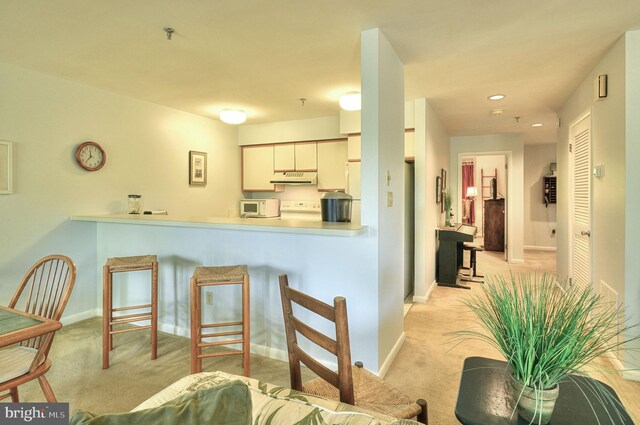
(46, 288)
(350, 385)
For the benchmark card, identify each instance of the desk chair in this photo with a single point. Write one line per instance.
(473, 263)
(48, 285)
(354, 386)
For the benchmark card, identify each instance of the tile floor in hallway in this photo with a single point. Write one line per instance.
(429, 363)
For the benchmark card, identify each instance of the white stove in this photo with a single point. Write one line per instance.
(300, 210)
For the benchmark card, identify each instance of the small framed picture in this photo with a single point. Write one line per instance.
(438, 189)
(197, 168)
(443, 174)
(6, 168)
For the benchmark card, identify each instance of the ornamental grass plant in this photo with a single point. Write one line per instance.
(545, 330)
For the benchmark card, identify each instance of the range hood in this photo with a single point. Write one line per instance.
(295, 177)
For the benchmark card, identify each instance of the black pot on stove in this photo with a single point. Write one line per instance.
(336, 207)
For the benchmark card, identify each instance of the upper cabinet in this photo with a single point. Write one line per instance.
(257, 168)
(332, 157)
(295, 157)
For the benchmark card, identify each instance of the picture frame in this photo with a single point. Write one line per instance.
(443, 174)
(6, 167)
(197, 168)
(438, 189)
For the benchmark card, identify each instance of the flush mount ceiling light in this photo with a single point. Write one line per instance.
(233, 116)
(537, 125)
(496, 97)
(350, 101)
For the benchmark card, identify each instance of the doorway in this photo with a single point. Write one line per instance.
(482, 192)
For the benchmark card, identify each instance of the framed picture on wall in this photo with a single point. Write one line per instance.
(6, 168)
(197, 168)
(443, 174)
(438, 189)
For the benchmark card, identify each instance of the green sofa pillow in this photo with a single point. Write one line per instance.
(226, 404)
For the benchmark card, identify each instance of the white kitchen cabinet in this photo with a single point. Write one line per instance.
(354, 147)
(409, 146)
(257, 168)
(295, 157)
(284, 157)
(306, 155)
(332, 157)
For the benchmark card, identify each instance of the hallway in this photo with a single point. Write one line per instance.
(429, 363)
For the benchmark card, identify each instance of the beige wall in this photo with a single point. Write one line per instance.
(539, 219)
(147, 153)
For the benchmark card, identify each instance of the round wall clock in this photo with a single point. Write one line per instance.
(90, 156)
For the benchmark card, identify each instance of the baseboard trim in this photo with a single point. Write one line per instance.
(630, 375)
(423, 300)
(78, 317)
(391, 357)
(517, 261)
(540, 248)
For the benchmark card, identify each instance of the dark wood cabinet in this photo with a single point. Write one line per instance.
(494, 225)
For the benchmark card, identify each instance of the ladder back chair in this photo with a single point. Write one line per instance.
(44, 291)
(350, 385)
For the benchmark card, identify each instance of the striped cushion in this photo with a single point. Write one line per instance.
(15, 361)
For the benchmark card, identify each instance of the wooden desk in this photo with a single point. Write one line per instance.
(486, 398)
(450, 253)
(16, 326)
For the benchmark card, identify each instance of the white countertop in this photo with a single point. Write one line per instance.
(229, 223)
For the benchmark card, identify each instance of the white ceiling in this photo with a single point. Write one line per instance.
(263, 56)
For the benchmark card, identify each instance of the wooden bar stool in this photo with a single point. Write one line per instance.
(473, 263)
(109, 320)
(208, 276)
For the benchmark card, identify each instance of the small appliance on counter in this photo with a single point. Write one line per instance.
(259, 208)
(336, 207)
(135, 204)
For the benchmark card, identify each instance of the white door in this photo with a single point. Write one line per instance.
(580, 215)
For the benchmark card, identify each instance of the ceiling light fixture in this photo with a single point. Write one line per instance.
(350, 101)
(233, 116)
(537, 125)
(496, 97)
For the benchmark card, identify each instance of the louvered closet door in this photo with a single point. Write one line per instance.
(581, 202)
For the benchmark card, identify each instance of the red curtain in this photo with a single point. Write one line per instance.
(467, 181)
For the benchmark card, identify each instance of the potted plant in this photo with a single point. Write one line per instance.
(545, 332)
(447, 208)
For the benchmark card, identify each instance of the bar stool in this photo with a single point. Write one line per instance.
(473, 275)
(122, 265)
(208, 276)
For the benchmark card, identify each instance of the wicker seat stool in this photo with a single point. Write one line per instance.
(210, 276)
(109, 320)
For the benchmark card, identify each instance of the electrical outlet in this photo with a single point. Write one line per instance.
(209, 297)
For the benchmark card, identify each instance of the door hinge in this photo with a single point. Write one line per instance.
(570, 147)
(570, 281)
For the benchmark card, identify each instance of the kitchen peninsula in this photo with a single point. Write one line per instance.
(323, 259)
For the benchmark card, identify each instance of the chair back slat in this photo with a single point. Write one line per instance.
(337, 314)
(45, 291)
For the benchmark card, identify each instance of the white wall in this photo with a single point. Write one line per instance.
(539, 219)
(512, 146)
(431, 155)
(383, 173)
(147, 153)
(615, 210)
(290, 131)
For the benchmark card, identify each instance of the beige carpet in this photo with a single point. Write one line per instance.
(428, 365)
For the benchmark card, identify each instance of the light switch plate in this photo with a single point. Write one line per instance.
(389, 199)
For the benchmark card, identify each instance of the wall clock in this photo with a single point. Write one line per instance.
(90, 156)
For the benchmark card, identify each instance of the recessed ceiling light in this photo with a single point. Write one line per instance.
(496, 97)
(351, 101)
(233, 116)
(537, 125)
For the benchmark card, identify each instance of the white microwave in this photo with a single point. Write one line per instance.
(259, 208)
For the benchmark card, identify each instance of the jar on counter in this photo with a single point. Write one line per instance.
(135, 204)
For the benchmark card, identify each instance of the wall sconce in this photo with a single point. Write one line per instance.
(350, 101)
(233, 116)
